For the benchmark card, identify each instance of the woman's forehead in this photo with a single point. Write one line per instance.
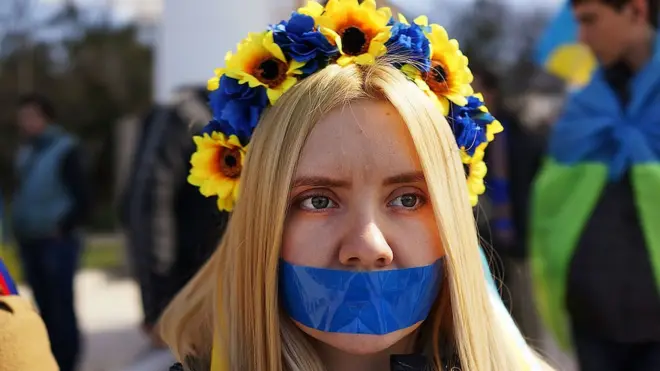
(363, 137)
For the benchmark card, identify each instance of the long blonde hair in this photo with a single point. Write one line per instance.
(233, 301)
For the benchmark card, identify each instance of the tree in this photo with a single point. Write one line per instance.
(96, 74)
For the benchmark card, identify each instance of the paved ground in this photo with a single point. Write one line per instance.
(109, 315)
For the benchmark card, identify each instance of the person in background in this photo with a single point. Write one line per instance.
(201, 225)
(515, 158)
(171, 228)
(49, 207)
(595, 240)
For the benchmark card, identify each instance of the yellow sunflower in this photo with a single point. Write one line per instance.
(360, 31)
(259, 61)
(449, 78)
(217, 166)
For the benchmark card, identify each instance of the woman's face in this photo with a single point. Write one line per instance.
(359, 202)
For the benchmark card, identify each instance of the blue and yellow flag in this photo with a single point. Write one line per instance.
(560, 53)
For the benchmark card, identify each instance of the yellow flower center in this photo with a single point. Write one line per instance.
(271, 72)
(437, 78)
(230, 165)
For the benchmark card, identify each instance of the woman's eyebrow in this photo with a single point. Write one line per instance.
(319, 181)
(409, 177)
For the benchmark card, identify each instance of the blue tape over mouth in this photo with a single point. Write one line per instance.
(359, 302)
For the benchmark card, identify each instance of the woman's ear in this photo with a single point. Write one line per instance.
(24, 343)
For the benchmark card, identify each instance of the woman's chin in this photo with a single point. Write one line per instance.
(359, 344)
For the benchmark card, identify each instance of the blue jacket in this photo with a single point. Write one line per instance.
(42, 200)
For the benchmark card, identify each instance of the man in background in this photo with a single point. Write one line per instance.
(49, 207)
(595, 221)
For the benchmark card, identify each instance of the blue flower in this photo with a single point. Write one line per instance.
(215, 126)
(299, 39)
(410, 42)
(237, 107)
(469, 124)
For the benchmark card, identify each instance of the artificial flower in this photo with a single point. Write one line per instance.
(422, 21)
(475, 181)
(416, 76)
(471, 124)
(218, 127)
(216, 167)
(300, 39)
(267, 64)
(237, 106)
(494, 127)
(360, 31)
(449, 77)
(259, 61)
(312, 9)
(409, 43)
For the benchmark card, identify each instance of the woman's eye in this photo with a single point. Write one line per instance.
(317, 203)
(409, 201)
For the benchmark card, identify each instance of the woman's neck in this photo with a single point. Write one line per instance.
(338, 360)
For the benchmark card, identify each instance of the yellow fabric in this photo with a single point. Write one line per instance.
(24, 344)
(573, 63)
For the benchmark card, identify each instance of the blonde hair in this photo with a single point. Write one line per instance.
(234, 300)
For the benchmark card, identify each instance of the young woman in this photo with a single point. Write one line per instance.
(352, 245)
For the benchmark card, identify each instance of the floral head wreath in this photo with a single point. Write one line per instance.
(342, 32)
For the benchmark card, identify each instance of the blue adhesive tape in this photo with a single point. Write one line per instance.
(352, 302)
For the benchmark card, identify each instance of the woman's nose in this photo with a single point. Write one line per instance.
(365, 248)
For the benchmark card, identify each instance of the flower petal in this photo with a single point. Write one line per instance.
(273, 48)
(225, 188)
(274, 95)
(344, 60)
(213, 84)
(364, 59)
(312, 9)
(422, 21)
